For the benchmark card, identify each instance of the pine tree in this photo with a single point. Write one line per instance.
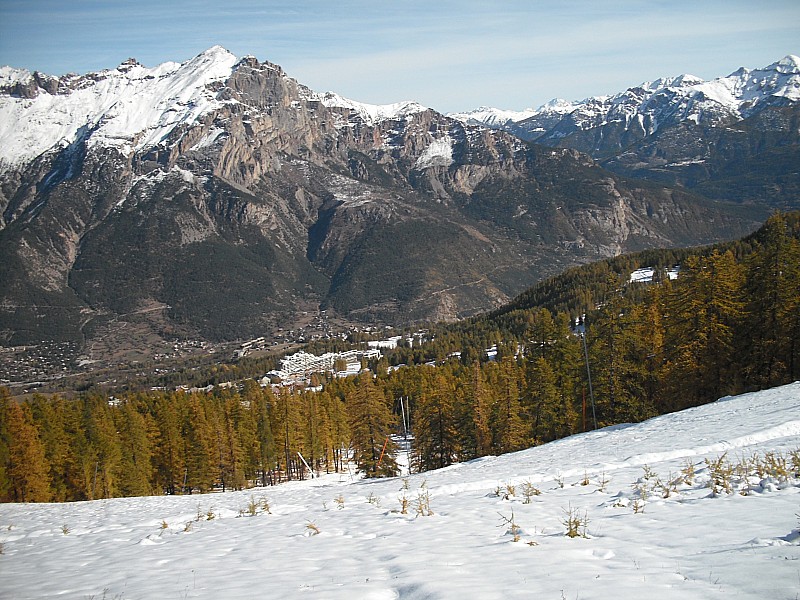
(704, 309)
(169, 459)
(436, 434)
(104, 443)
(26, 469)
(135, 472)
(772, 324)
(247, 429)
(199, 447)
(5, 440)
(51, 418)
(314, 426)
(231, 455)
(542, 402)
(479, 397)
(509, 430)
(371, 426)
(288, 431)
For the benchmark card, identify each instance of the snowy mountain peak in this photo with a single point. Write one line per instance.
(685, 80)
(128, 64)
(130, 107)
(10, 76)
(133, 107)
(493, 117)
(789, 64)
(371, 113)
(557, 105)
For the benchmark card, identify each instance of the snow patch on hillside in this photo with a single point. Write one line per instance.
(438, 154)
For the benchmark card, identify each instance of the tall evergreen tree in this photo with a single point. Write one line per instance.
(543, 406)
(371, 427)
(199, 447)
(169, 457)
(436, 431)
(509, 430)
(704, 309)
(135, 468)
(773, 292)
(267, 459)
(51, 418)
(104, 443)
(27, 470)
(288, 429)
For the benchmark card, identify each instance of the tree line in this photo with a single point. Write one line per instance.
(729, 323)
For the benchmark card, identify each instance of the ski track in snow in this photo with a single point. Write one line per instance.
(689, 545)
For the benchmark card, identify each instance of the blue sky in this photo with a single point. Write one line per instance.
(444, 54)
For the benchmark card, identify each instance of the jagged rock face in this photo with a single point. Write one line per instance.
(223, 191)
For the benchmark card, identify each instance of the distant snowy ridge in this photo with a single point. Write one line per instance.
(370, 113)
(494, 117)
(740, 94)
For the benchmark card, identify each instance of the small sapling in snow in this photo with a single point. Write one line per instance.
(601, 485)
(575, 523)
(312, 529)
(529, 491)
(687, 472)
(511, 526)
(403, 504)
(720, 474)
(423, 504)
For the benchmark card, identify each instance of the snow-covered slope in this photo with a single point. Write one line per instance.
(651, 104)
(652, 530)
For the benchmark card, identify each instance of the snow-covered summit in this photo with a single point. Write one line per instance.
(129, 107)
(371, 113)
(493, 117)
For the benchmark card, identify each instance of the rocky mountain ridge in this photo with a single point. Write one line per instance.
(682, 131)
(210, 198)
(653, 105)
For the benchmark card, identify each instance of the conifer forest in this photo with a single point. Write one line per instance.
(583, 350)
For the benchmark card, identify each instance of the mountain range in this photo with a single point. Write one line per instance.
(733, 138)
(218, 197)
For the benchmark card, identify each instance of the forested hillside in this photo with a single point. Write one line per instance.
(729, 323)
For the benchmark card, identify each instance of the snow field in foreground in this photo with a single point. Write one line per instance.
(342, 537)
